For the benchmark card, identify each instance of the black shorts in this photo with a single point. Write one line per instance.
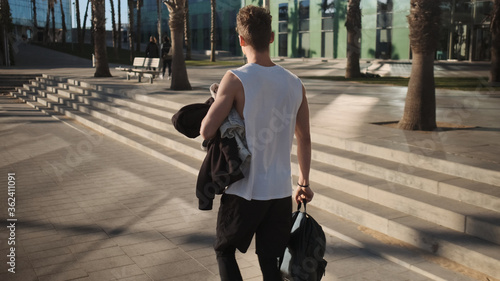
(239, 219)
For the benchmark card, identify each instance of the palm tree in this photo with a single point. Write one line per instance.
(78, 23)
(187, 32)
(47, 23)
(212, 30)
(101, 57)
(119, 24)
(35, 22)
(63, 22)
(130, 28)
(53, 3)
(138, 35)
(180, 79)
(420, 105)
(113, 26)
(84, 28)
(495, 46)
(353, 25)
(113, 23)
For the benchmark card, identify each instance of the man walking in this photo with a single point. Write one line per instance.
(272, 101)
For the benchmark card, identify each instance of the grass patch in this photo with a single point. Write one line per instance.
(453, 83)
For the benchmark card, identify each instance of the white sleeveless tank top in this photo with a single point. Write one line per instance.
(272, 98)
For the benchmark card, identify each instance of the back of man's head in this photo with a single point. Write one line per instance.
(254, 25)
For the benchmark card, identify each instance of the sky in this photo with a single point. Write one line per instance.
(83, 4)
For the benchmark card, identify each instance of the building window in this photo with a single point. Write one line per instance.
(384, 29)
(283, 30)
(304, 41)
(327, 14)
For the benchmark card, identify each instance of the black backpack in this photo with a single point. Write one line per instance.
(303, 257)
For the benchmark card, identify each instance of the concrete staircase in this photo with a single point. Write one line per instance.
(445, 207)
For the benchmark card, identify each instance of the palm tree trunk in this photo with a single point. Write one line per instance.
(131, 28)
(53, 21)
(113, 23)
(495, 44)
(119, 24)
(187, 32)
(212, 31)
(180, 79)
(78, 23)
(113, 26)
(35, 22)
(63, 18)
(101, 57)
(353, 25)
(47, 24)
(420, 105)
(138, 35)
(84, 28)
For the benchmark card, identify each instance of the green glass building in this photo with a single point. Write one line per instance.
(315, 28)
(24, 20)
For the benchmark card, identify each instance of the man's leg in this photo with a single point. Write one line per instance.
(228, 267)
(272, 237)
(237, 222)
(269, 268)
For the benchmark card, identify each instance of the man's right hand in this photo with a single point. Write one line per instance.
(303, 193)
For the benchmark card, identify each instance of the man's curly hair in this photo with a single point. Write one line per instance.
(254, 25)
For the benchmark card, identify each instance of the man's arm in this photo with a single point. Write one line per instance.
(303, 135)
(230, 87)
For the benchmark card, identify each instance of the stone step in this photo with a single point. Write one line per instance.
(386, 247)
(363, 164)
(365, 186)
(411, 156)
(464, 190)
(367, 165)
(374, 216)
(151, 148)
(446, 212)
(449, 164)
(470, 251)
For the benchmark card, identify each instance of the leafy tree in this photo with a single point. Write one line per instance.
(101, 56)
(420, 105)
(353, 25)
(495, 43)
(180, 79)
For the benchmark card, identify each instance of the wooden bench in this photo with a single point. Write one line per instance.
(143, 67)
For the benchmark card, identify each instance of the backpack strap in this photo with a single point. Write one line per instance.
(300, 205)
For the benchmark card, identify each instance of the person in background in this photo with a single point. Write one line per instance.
(166, 55)
(272, 101)
(152, 49)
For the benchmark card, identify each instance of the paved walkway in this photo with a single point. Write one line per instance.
(111, 213)
(90, 208)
